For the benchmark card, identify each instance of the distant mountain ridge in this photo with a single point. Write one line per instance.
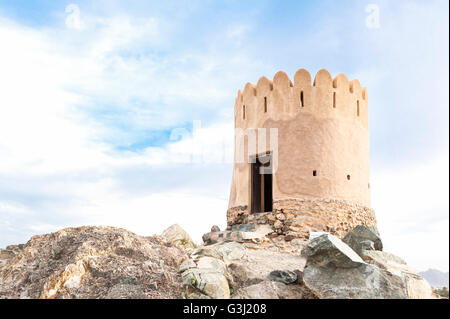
(435, 278)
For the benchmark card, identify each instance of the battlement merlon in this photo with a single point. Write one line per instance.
(281, 99)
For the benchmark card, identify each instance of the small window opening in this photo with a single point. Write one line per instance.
(357, 107)
(334, 99)
(265, 104)
(302, 104)
(348, 177)
(314, 173)
(243, 112)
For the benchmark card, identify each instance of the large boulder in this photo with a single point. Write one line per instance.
(363, 238)
(225, 251)
(244, 275)
(178, 236)
(416, 286)
(207, 270)
(327, 250)
(208, 275)
(333, 270)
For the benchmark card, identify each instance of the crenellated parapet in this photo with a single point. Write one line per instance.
(282, 99)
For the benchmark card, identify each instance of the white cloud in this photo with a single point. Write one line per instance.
(42, 228)
(14, 208)
(153, 213)
(411, 204)
(51, 152)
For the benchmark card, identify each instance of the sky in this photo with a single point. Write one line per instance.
(99, 100)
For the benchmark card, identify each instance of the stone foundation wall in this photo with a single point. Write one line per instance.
(295, 217)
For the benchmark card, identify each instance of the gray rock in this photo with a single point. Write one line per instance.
(225, 251)
(299, 276)
(382, 259)
(215, 228)
(263, 290)
(363, 238)
(15, 248)
(367, 245)
(211, 264)
(243, 275)
(284, 276)
(187, 264)
(205, 251)
(211, 281)
(333, 270)
(215, 237)
(230, 251)
(177, 235)
(328, 250)
(416, 286)
(363, 282)
(315, 234)
(208, 239)
(207, 272)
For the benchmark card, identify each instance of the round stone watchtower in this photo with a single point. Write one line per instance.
(301, 159)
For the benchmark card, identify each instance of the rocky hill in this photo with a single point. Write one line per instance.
(107, 262)
(92, 262)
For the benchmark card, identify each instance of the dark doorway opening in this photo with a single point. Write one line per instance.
(261, 184)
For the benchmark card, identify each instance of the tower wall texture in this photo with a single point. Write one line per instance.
(323, 149)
